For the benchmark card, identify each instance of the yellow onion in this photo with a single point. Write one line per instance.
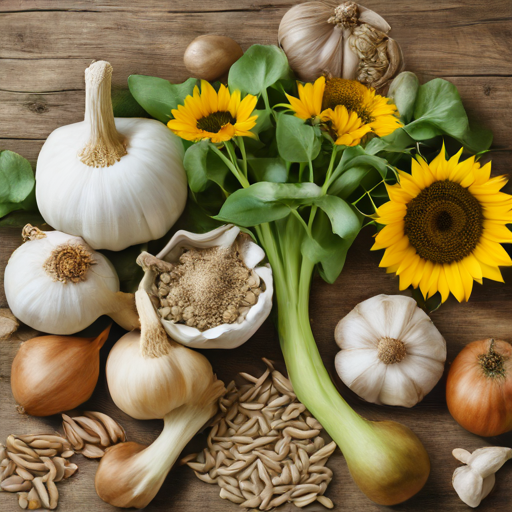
(479, 387)
(51, 374)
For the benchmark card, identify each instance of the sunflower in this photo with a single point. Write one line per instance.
(319, 102)
(444, 226)
(215, 116)
(348, 126)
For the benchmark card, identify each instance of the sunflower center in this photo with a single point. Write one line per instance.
(444, 222)
(215, 121)
(340, 91)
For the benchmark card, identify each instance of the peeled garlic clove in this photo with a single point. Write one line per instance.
(486, 461)
(228, 335)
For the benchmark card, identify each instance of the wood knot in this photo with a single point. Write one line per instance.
(38, 107)
(487, 90)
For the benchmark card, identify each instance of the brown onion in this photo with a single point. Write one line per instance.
(479, 387)
(51, 374)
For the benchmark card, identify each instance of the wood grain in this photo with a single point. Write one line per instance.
(45, 46)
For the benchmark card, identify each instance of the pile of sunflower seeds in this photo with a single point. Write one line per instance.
(265, 448)
(32, 464)
(91, 433)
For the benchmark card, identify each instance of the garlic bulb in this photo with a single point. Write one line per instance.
(114, 182)
(345, 40)
(391, 353)
(57, 284)
(475, 481)
(228, 335)
(149, 374)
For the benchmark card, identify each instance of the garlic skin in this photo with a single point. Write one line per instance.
(226, 335)
(322, 38)
(475, 481)
(63, 307)
(391, 351)
(131, 189)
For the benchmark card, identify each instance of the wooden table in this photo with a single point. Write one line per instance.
(45, 45)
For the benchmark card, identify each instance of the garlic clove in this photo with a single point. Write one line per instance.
(350, 59)
(355, 332)
(398, 388)
(228, 335)
(469, 486)
(374, 19)
(423, 339)
(486, 461)
(363, 376)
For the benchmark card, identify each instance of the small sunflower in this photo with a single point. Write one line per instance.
(215, 116)
(348, 126)
(444, 226)
(319, 102)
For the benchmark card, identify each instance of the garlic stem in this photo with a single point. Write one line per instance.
(105, 146)
(153, 340)
(130, 475)
(124, 312)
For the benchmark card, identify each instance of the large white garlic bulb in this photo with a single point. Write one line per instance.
(228, 335)
(391, 352)
(57, 284)
(114, 182)
(344, 40)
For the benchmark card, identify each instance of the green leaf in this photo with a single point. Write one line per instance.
(17, 183)
(195, 165)
(344, 220)
(158, 97)
(439, 111)
(269, 169)
(21, 218)
(202, 166)
(403, 92)
(296, 140)
(125, 105)
(266, 202)
(260, 67)
(396, 142)
(348, 181)
(264, 121)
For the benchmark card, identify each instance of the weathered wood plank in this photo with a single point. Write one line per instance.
(474, 34)
(35, 115)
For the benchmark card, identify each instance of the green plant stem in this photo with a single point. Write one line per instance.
(328, 175)
(241, 145)
(231, 165)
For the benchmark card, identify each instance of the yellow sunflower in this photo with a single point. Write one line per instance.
(444, 225)
(215, 116)
(318, 102)
(348, 126)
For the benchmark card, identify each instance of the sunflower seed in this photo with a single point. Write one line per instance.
(34, 502)
(92, 451)
(70, 469)
(79, 431)
(59, 466)
(276, 502)
(304, 501)
(252, 503)
(42, 492)
(23, 473)
(115, 431)
(19, 461)
(226, 495)
(94, 428)
(23, 500)
(325, 501)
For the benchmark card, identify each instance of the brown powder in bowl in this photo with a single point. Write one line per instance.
(207, 288)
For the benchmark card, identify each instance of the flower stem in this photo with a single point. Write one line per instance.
(232, 167)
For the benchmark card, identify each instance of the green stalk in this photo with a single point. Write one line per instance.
(386, 459)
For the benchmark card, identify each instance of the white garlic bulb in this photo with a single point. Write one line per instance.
(228, 335)
(114, 182)
(344, 40)
(391, 353)
(474, 481)
(57, 284)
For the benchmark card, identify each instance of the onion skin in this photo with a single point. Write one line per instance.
(481, 404)
(51, 374)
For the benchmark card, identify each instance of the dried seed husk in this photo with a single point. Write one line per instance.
(23, 473)
(79, 431)
(325, 501)
(276, 502)
(304, 501)
(226, 495)
(20, 461)
(92, 451)
(53, 493)
(73, 438)
(67, 454)
(60, 467)
(326, 451)
(42, 492)
(94, 428)
(23, 500)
